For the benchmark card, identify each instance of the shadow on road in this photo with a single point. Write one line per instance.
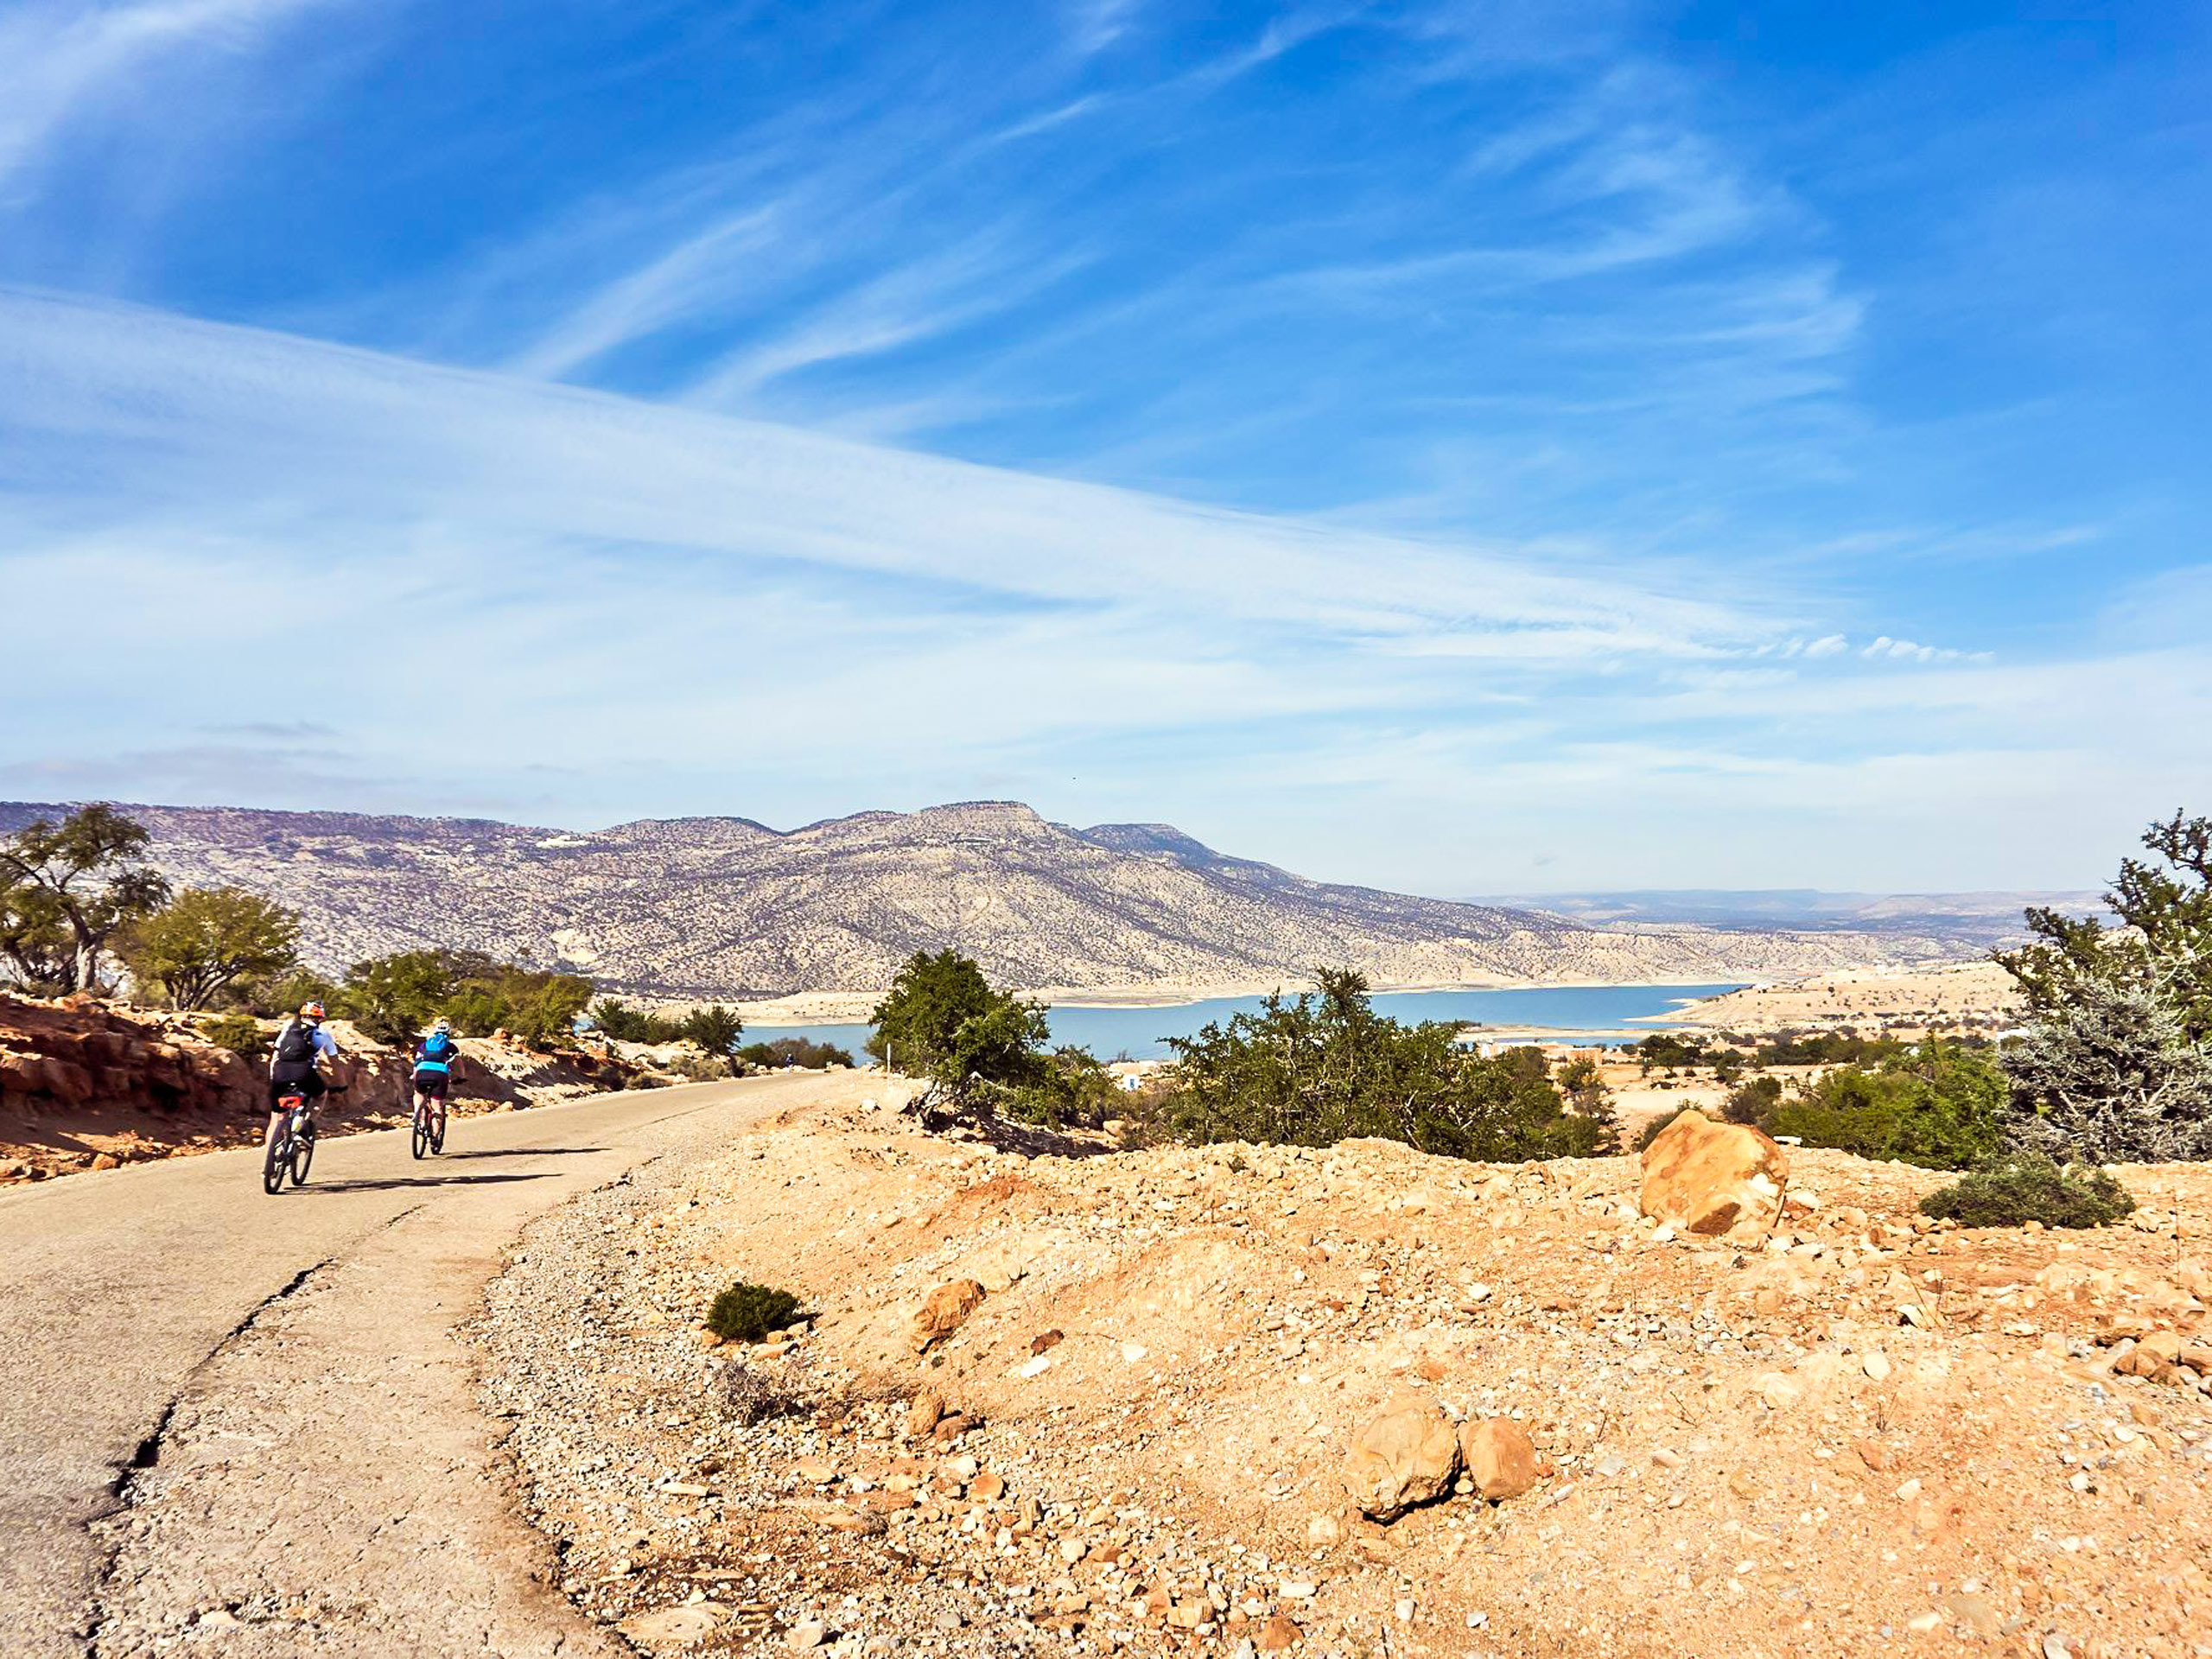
(397, 1182)
(518, 1151)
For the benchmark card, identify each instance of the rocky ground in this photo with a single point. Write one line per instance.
(1072, 1401)
(87, 1085)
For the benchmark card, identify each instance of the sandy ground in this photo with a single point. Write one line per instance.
(1873, 1434)
(1964, 995)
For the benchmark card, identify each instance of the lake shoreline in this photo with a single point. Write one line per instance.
(800, 1008)
(1603, 1014)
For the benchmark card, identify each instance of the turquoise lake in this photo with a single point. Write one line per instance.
(1139, 1033)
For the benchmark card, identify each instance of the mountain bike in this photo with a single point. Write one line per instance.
(293, 1149)
(430, 1130)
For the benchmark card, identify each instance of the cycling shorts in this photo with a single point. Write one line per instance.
(432, 1084)
(311, 1085)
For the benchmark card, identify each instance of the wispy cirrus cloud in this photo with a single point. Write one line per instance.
(60, 63)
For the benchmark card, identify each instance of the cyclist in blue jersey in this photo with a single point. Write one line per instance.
(437, 1068)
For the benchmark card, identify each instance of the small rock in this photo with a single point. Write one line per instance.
(924, 1413)
(943, 1312)
(1500, 1458)
(1404, 1455)
(810, 1633)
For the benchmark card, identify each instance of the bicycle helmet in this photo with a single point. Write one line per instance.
(443, 1027)
(310, 1010)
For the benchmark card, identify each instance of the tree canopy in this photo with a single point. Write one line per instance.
(206, 940)
(66, 889)
(986, 1050)
(714, 1028)
(2117, 1059)
(394, 996)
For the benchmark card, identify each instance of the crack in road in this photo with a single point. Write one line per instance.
(147, 1455)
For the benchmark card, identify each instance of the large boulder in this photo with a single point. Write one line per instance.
(1713, 1178)
(1406, 1455)
(1501, 1458)
(946, 1309)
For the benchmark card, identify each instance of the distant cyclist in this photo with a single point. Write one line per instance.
(437, 1068)
(297, 1064)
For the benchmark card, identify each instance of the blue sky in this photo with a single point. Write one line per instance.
(1461, 447)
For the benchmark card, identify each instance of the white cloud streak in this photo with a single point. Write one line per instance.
(58, 63)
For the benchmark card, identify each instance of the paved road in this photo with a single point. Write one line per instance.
(229, 1416)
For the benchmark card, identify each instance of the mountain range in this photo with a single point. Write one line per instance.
(724, 906)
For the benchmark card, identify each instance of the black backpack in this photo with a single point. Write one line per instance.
(296, 1044)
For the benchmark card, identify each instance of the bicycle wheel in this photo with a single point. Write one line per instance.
(302, 1154)
(422, 1135)
(274, 1165)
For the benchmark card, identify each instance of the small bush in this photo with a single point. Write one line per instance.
(701, 1068)
(747, 1313)
(1936, 1105)
(241, 1034)
(794, 1051)
(754, 1394)
(2028, 1186)
(1753, 1102)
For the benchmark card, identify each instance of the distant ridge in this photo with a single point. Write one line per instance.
(1990, 916)
(725, 906)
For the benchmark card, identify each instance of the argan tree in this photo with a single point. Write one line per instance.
(66, 890)
(2117, 1062)
(984, 1050)
(714, 1028)
(1317, 1069)
(207, 939)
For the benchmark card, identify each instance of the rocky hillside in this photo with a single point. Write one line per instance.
(1240, 1400)
(724, 905)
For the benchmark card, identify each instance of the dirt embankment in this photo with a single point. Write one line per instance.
(1960, 996)
(87, 1085)
(1867, 1432)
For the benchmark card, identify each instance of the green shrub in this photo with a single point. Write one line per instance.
(1064, 1088)
(702, 1068)
(393, 997)
(714, 1028)
(2028, 1186)
(1937, 1105)
(240, 1033)
(794, 1051)
(1752, 1101)
(1324, 1066)
(619, 1021)
(1826, 1048)
(747, 1313)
